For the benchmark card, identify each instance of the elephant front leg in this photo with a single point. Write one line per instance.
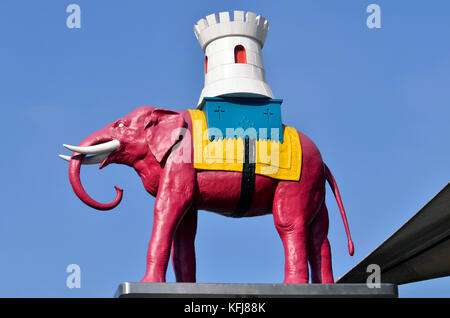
(183, 248)
(165, 221)
(174, 199)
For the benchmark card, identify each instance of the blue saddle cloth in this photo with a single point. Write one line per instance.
(233, 117)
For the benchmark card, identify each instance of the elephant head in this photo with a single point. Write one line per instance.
(146, 134)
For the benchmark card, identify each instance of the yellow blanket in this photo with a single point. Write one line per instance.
(277, 160)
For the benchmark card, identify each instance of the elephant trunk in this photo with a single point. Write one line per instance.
(74, 177)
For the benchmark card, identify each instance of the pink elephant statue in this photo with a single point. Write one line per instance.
(145, 140)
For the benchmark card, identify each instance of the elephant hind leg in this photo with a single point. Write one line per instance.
(296, 263)
(290, 222)
(319, 251)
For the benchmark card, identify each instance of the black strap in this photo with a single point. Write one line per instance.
(248, 179)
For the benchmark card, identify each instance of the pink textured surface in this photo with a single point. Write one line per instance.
(150, 143)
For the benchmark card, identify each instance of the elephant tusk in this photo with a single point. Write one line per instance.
(91, 160)
(105, 147)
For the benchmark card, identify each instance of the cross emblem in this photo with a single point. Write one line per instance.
(218, 110)
(268, 113)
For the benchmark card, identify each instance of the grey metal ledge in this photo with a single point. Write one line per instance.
(193, 290)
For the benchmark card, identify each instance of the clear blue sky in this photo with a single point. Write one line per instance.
(376, 102)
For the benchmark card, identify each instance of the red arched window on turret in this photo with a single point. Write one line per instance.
(206, 64)
(239, 54)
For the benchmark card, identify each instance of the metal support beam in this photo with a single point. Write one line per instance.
(419, 250)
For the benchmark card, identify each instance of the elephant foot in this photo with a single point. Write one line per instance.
(295, 280)
(151, 279)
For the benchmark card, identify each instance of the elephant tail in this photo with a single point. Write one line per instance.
(337, 195)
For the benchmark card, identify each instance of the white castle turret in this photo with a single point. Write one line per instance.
(233, 59)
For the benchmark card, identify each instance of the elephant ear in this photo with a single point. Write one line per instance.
(165, 127)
